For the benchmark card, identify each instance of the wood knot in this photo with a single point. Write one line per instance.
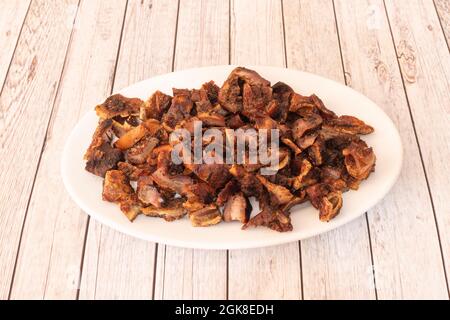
(32, 69)
(382, 71)
(407, 59)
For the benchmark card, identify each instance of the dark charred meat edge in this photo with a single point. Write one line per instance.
(321, 154)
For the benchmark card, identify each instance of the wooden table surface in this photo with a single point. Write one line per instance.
(59, 58)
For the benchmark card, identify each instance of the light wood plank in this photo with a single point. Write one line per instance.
(274, 272)
(443, 10)
(54, 231)
(425, 65)
(12, 15)
(26, 103)
(335, 265)
(405, 247)
(116, 265)
(202, 39)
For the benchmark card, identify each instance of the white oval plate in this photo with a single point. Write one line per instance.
(86, 189)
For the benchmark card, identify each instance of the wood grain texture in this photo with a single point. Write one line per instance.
(26, 103)
(345, 270)
(54, 231)
(443, 10)
(116, 265)
(202, 39)
(272, 272)
(425, 65)
(12, 15)
(405, 246)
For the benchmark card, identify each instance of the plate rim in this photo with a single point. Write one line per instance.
(195, 244)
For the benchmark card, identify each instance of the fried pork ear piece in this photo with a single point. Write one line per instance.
(103, 134)
(179, 110)
(348, 125)
(323, 111)
(122, 125)
(150, 127)
(211, 119)
(178, 183)
(155, 106)
(279, 107)
(278, 194)
(206, 97)
(131, 208)
(245, 91)
(131, 137)
(248, 183)
(206, 216)
(139, 153)
(227, 192)
(237, 208)
(274, 219)
(118, 105)
(100, 156)
(216, 175)
(301, 105)
(330, 205)
(302, 125)
(134, 172)
(174, 210)
(116, 187)
(147, 192)
(359, 159)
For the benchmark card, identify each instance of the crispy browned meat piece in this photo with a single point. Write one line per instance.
(278, 194)
(321, 155)
(230, 189)
(330, 205)
(147, 192)
(121, 126)
(279, 107)
(155, 106)
(206, 97)
(131, 208)
(349, 125)
(237, 208)
(179, 110)
(245, 91)
(235, 122)
(103, 158)
(174, 210)
(302, 125)
(116, 186)
(134, 172)
(100, 156)
(206, 216)
(211, 119)
(359, 159)
(325, 113)
(272, 218)
(249, 184)
(118, 105)
(200, 192)
(178, 183)
(301, 105)
(216, 175)
(139, 153)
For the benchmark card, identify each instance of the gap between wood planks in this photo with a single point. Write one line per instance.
(45, 136)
